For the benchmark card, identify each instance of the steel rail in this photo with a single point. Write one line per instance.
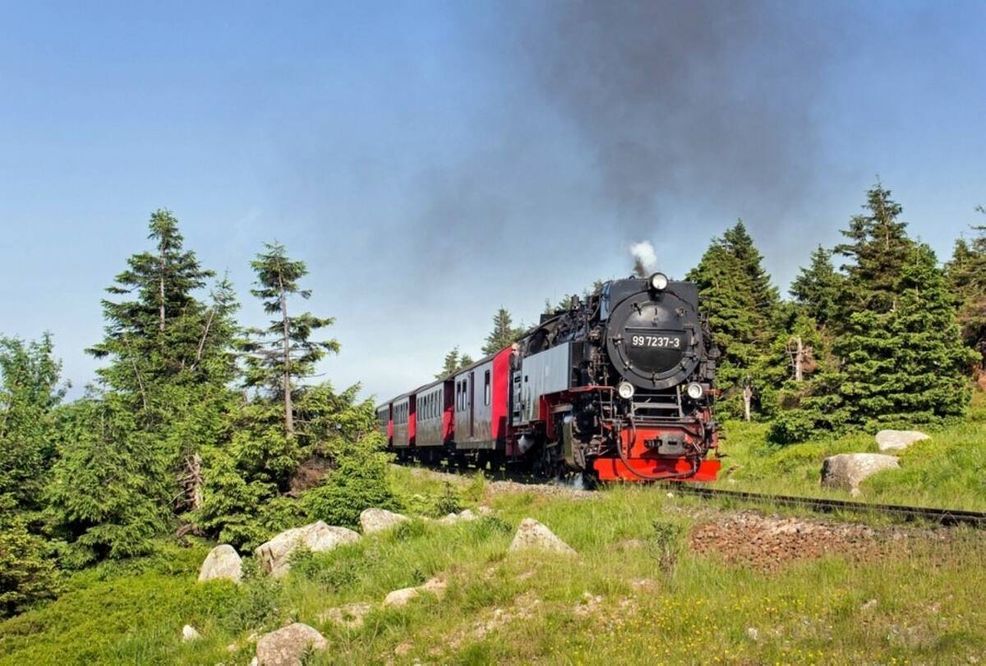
(949, 517)
(903, 512)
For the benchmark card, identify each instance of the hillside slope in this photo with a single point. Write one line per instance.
(948, 470)
(657, 579)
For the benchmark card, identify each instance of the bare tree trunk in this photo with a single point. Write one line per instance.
(747, 400)
(192, 481)
(205, 336)
(161, 295)
(799, 360)
(140, 382)
(288, 406)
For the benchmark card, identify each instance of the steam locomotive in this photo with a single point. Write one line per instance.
(618, 386)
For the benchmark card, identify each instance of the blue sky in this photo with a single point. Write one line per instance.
(431, 161)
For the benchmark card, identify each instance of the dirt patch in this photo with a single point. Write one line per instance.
(523, 607)
(567, 490)
(767, 543)
(494, 487)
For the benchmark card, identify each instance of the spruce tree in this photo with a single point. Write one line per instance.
(901, 359)
(110, 488)
(454, 360)
(743, 309)
(876, 251)
(966, 274)
(283, 354)
(29, 391)
(503, 334)
(155, 329)
(740, 244)
(27, 565)
(129, 456)
(817, 287)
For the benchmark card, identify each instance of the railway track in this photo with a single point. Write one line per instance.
(948, 517)
(900, 512)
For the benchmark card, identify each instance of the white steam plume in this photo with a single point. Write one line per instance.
(644, 258)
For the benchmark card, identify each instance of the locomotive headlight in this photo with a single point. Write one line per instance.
(625, 389)
(658, 281)
(695, 391)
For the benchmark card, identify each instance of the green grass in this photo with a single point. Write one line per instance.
(635, 594)
(949, 470)
(649, 599)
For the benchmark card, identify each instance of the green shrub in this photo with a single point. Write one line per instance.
(27, 573)
(360, 481)
(448, 502)
(476, 489)
(339, 570)
(408, 530)
(493, 525)
(668, 543)
(256, 605)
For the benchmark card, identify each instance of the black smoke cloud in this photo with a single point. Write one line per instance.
(697, 98)
(615, 113)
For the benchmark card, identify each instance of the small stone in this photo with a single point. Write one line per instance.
(484, 510)
(287, 646)
(869, 605)
(274, 556)
(222, 563)
(379, 520)
(846, 471)
(188, 633)
(532, 535)
(400, 598)
(436, 586)
(898, 440)
(752, 634)
(350, 616)
(463, 516)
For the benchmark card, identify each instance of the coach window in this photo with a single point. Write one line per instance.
(486, 388)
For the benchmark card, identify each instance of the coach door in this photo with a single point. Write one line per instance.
(472, 405)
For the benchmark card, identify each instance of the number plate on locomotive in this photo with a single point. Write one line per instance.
(656, 340)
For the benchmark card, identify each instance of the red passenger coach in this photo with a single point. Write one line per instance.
(385, 423)
(479, 396)
(403, 409)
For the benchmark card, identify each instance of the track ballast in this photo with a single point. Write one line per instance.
(947, 517)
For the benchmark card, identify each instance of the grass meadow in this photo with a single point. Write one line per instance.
(948, 470)
(634, 594)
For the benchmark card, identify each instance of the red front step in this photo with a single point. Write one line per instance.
(654, 469)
